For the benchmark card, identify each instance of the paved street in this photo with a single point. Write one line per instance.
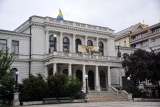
(103, 104)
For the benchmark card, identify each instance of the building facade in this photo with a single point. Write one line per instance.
(47, 45)
(123, 37)
(147, 38)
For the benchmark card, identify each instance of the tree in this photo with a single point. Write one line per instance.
(62, 85)
(6, 81)
(141, 66)
(154, 70)
(6, 59)
(33, 88)
(135, 65)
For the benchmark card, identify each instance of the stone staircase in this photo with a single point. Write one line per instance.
(105, 96)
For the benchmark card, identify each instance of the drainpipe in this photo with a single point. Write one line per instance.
(30, 39)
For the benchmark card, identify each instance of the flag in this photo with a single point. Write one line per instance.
(60, 16)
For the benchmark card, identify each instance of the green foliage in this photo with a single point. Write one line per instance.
(6, 89)
(142, 65)
(136, 92)
(6, 59)
(36, 88)
(6, 82)
(33, 88)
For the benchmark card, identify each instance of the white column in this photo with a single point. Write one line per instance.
(69, 70)
(84, 81)
(109, 78)
(85, 39)
(97, 79)
(120, 77)
(60, 42)
(46, 71)
(73, 44)
(47, 42)
(97, 41)
(9, 44)
(54, 68)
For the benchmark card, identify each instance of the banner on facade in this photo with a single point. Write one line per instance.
(85, 48)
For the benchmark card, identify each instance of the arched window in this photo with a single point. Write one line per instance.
(101, 48)
(50, 72)
(65, 44)
(78, 42)
(65, 71)
(13, 73)
(89, 43)
(52, 44)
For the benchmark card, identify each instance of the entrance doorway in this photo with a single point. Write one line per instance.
(102, 80)
(91, 80)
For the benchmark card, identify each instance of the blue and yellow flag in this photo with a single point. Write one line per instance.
(60, 16)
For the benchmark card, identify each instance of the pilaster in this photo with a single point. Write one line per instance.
(69, 70)
(73, 44)
(54, 68)
(47, 42)
(9, 45)
(60, 42)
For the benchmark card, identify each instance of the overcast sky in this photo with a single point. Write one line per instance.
(115, 14)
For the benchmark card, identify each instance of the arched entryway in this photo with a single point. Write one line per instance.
(79, 75)
(91, 80)
(13, 72)
(65, 71)
(102, 80)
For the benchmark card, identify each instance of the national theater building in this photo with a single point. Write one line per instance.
(48, 45)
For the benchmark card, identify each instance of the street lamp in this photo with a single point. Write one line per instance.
(16, 102)
(128, 78)
(16, 90)
(86, 77)
(86, 97)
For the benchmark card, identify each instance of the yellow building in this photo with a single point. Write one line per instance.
(123, 37)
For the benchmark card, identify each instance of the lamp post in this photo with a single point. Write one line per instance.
(86, 77)
(128, 78)
(16, 90)
(16, 94)
(86, 97)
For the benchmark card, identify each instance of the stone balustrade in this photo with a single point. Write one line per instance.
(83, 56)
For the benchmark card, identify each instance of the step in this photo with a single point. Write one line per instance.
(104, 97)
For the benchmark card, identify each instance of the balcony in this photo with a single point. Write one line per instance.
(82, 57)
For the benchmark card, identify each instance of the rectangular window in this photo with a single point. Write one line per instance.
(125, 44)
(15, 47)
(3, 44)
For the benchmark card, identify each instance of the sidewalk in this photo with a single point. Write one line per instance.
(103, 104)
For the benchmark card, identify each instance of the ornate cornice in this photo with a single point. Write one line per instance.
(13, 33)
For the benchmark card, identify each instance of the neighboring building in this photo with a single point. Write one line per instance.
(123, 37)
(47, 45)
(147, 38)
